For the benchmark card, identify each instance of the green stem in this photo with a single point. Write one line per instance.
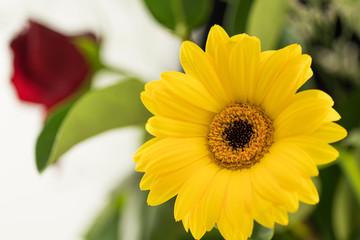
(181, 28)
(120, 71)
(351, 170)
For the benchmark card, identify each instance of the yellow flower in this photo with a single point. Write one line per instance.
(234, 140)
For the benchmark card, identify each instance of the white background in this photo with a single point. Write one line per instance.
(61, 203)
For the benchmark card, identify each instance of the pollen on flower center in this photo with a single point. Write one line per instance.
(240, 135)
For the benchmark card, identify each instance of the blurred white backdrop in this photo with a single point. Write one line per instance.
(61, 203)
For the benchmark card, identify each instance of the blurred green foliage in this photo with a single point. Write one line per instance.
(236, 15)
(181, 16)
(266, 21)
(346, 221)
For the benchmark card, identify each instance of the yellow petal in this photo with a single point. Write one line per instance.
(266, 219)
(271, 64)
(168, 104)
(293, 50)
(309, 194)
(166, 127)
(193, 189)
(264, 56)
(186, 222)
(287, 83)
(149, 156)
(292, 202)
(190, 90)
(212, 201)
(330, 132)
(290, 153)
(147, 95)
(266, 185)
(201, 67)
(314, 94)
(240, 196)
(167, 185)
(226, 228)
(146, 181)
(229, 231)
(216, 35)
(287, 176)
(177, 153)
(332, 115)
(274, 213)
(304, 115)
(236, 39)
(196, 223)
(153, 85)
(222, 63)
(148, 101)
(234, 207)
(244, 64)
(319, 151)
(145, 146)
(280, 215)
(143, 159)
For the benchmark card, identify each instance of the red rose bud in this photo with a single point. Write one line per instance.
(48, 67)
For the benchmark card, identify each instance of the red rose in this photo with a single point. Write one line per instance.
(48, 67)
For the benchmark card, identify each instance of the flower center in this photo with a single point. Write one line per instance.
(240, 135)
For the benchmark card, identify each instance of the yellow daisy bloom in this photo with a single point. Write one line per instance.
(234, 140)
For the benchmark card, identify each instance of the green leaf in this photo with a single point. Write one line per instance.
(261, 232)
(305, 210)
(47, 136)
(105, 226)
(345, 219)
(98, 111)
(322, 215)
(158, 222)
(108, 224)
(180, 16)
(351, 170)
(266, 21)
(236, 16)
